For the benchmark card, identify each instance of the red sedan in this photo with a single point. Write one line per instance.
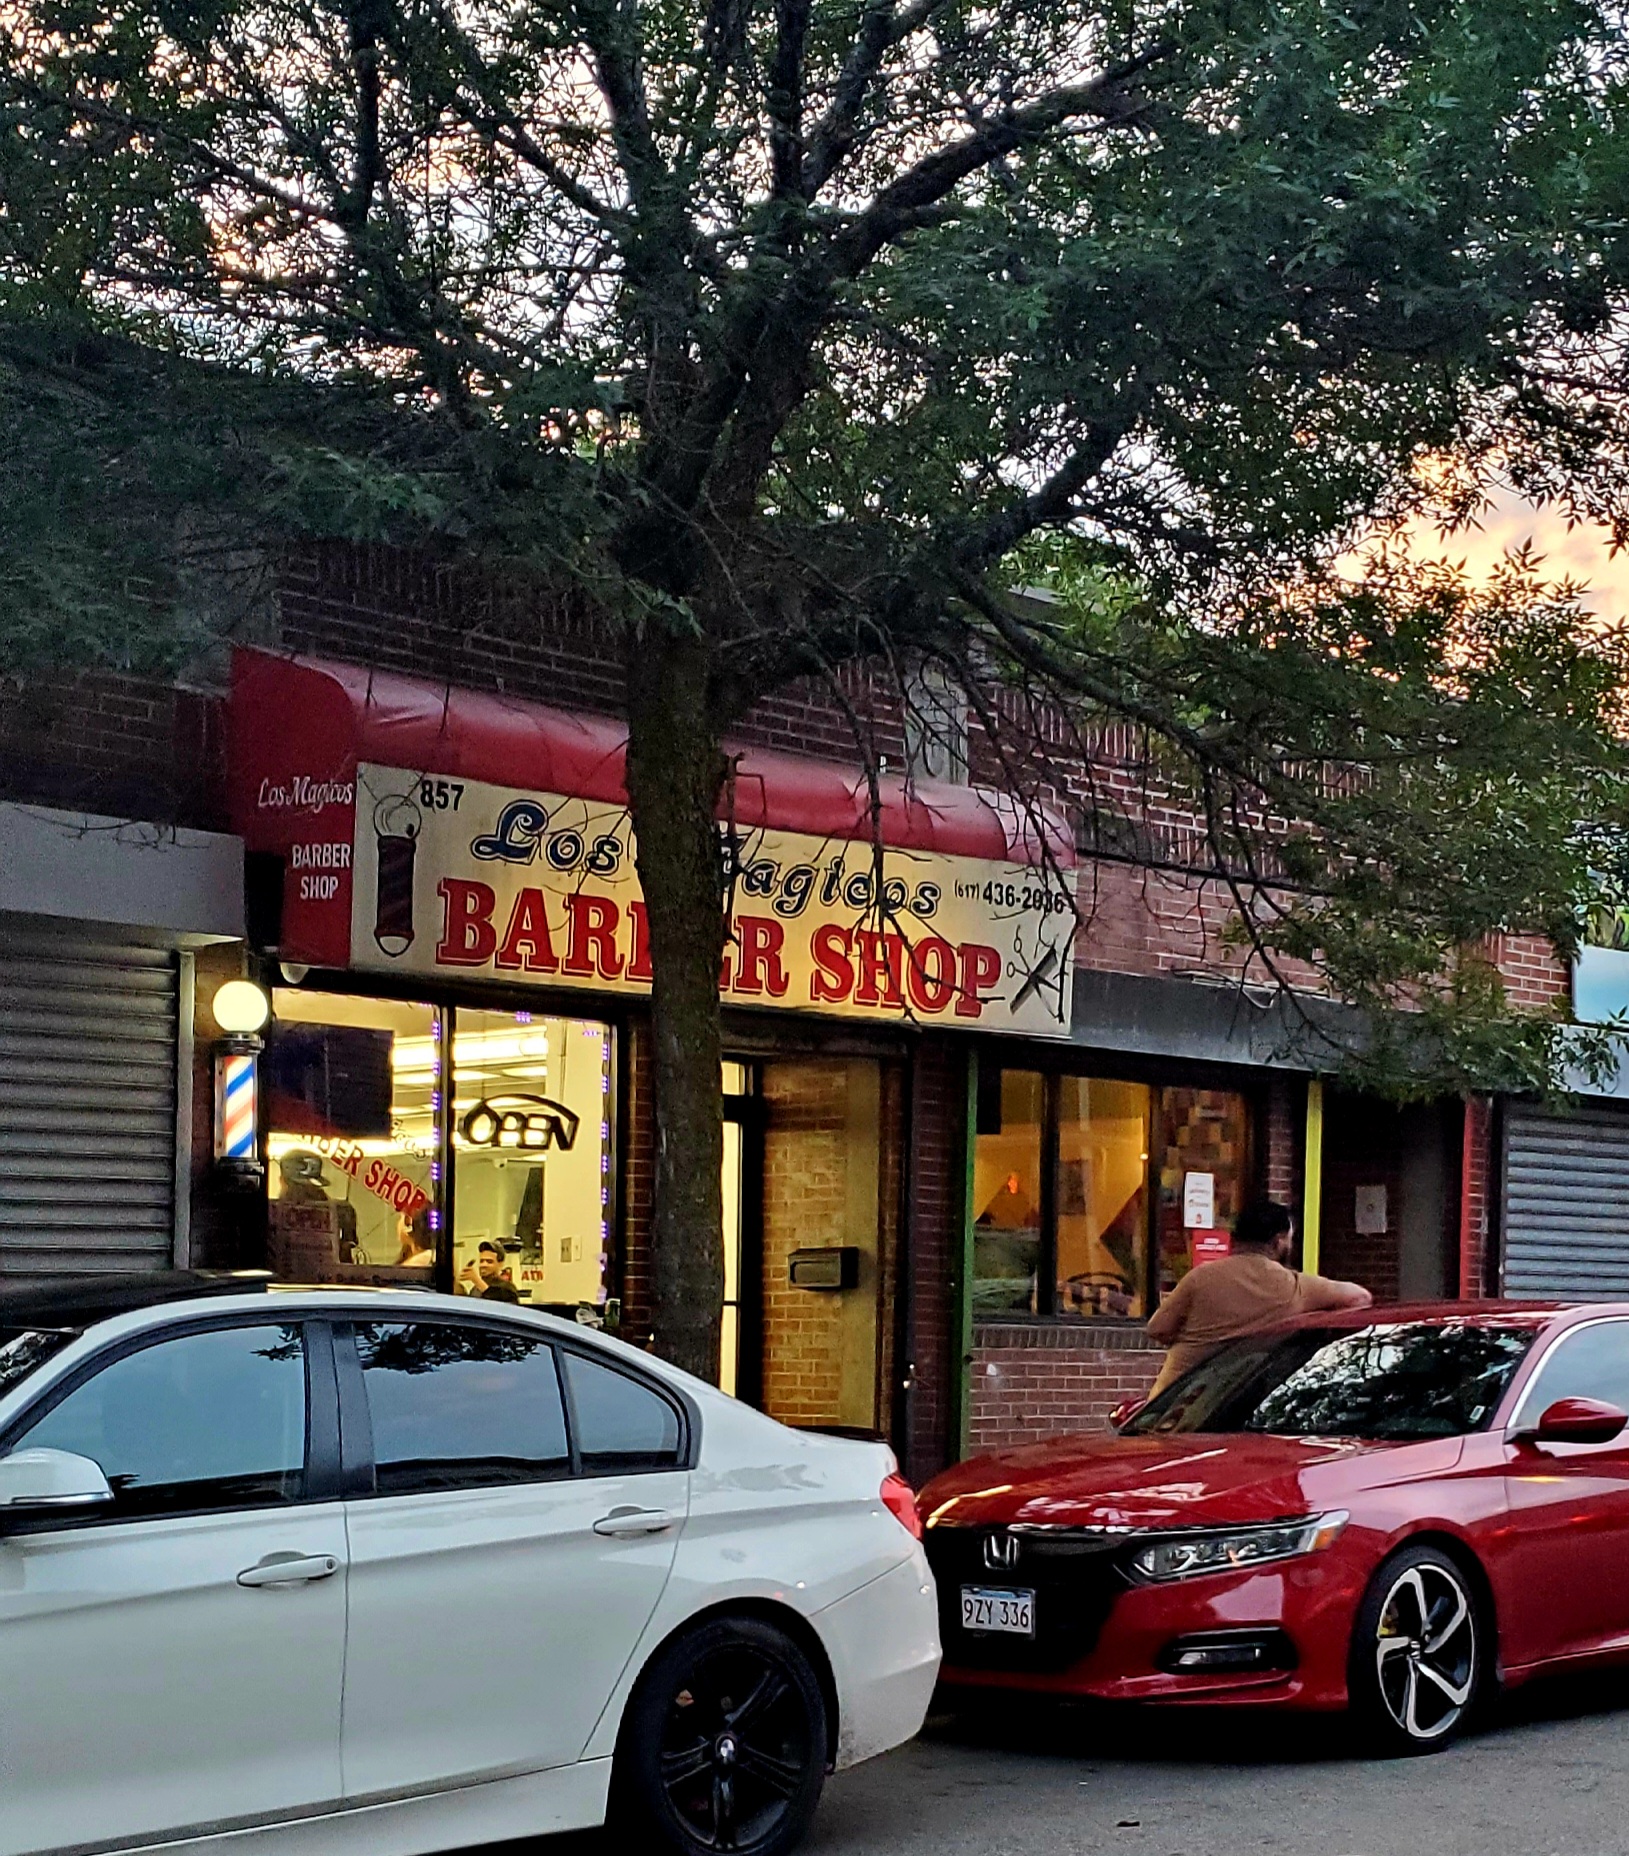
(1384, 1510)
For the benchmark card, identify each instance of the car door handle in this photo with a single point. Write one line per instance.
(621, 1522)
(289, 1569)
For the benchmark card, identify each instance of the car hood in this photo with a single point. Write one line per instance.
(1197, 1479)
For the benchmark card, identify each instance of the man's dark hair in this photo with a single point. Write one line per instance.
(1262, 1222)
(486, 1243)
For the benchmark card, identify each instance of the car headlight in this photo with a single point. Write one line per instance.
(1186, 1556)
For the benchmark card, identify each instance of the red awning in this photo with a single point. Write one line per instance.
(300, 726)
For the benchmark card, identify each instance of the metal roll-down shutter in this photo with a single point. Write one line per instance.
(1566, 1209)
(88, 1065)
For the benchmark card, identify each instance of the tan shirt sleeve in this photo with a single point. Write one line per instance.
(1319, 1293)
(1166, 1322)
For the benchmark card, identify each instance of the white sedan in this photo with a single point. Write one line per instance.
(384, 1571)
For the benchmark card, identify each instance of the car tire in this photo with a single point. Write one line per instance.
(723, 1746)
(1422, 1647)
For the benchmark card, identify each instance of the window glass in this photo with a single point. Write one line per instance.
(456, 1406)
(1202, 1141)
(352, 1088)
(1390, 1380)
(620, 1423)
(1102, 1196)
(532, 1142)
(25, 1350)
(1007, 1192)
(214, 1420)
(1593, 1363)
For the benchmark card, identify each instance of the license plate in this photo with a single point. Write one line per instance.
(998, 1610)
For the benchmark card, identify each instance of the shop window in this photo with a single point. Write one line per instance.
(1204, 1172)
(352, 1097)
(1101, 1197)
(532, 1146)
(1007, 1193)
(1091, 1194)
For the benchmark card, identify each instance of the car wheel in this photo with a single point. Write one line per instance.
(1420, 1652)
(723, 1746)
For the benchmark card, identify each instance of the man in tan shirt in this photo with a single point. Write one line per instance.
(1241, 1292)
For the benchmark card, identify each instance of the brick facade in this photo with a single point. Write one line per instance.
(142, 747)
(935, 1190)
(1478, 1273)
(115, 744)
(1031, 1381)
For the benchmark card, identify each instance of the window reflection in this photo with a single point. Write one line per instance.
(1391, 1380)
(352, 1091)
(1007, 1192)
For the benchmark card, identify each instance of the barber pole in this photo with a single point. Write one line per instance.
(237, 1129)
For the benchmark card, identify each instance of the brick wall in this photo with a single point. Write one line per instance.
(1281, 1139)
(125, 746)
(1536, 978)
(1031, 1382)
(1360, 1149)
(403, 612)
(1478, 1271)
(805, 1203)
(934, 1188)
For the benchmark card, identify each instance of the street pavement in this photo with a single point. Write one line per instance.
(1547, 1776)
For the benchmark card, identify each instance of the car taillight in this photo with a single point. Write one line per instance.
(900, 1501)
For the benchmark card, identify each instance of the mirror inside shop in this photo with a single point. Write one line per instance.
(403, 1137)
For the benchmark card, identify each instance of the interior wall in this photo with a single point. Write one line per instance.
(828, 1173)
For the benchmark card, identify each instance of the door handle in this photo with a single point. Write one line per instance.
(289, 1569)
(620, 1523)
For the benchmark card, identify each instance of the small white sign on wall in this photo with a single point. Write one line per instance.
(1198, 1200)
(1370, 1211)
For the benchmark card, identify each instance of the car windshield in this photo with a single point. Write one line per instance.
(1392, 1379)
(24, 1350)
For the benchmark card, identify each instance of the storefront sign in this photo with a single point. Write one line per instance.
(531, 1123)
(1209, 1246)
(1198, 1200)
(461, 878)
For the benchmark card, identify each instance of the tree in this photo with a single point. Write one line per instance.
(795, 332)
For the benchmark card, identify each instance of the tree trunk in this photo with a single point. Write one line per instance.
(675, 773)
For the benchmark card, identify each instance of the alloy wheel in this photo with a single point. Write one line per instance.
(1426, 1650)
(736, 1747)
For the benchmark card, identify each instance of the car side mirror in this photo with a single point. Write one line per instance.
(1124, 1412)
(1578, 1421)
(46, 1482)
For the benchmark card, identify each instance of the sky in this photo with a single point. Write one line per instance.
(1582, 552)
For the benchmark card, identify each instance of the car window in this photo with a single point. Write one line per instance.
(1593, 1363)
(459, 1406)
(215, 1420)
(620, 1423)
(1388, 1379)
(23, 1351)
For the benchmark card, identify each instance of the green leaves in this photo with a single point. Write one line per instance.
(805, 331)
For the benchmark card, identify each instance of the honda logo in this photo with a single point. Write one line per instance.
(1000, 1552)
